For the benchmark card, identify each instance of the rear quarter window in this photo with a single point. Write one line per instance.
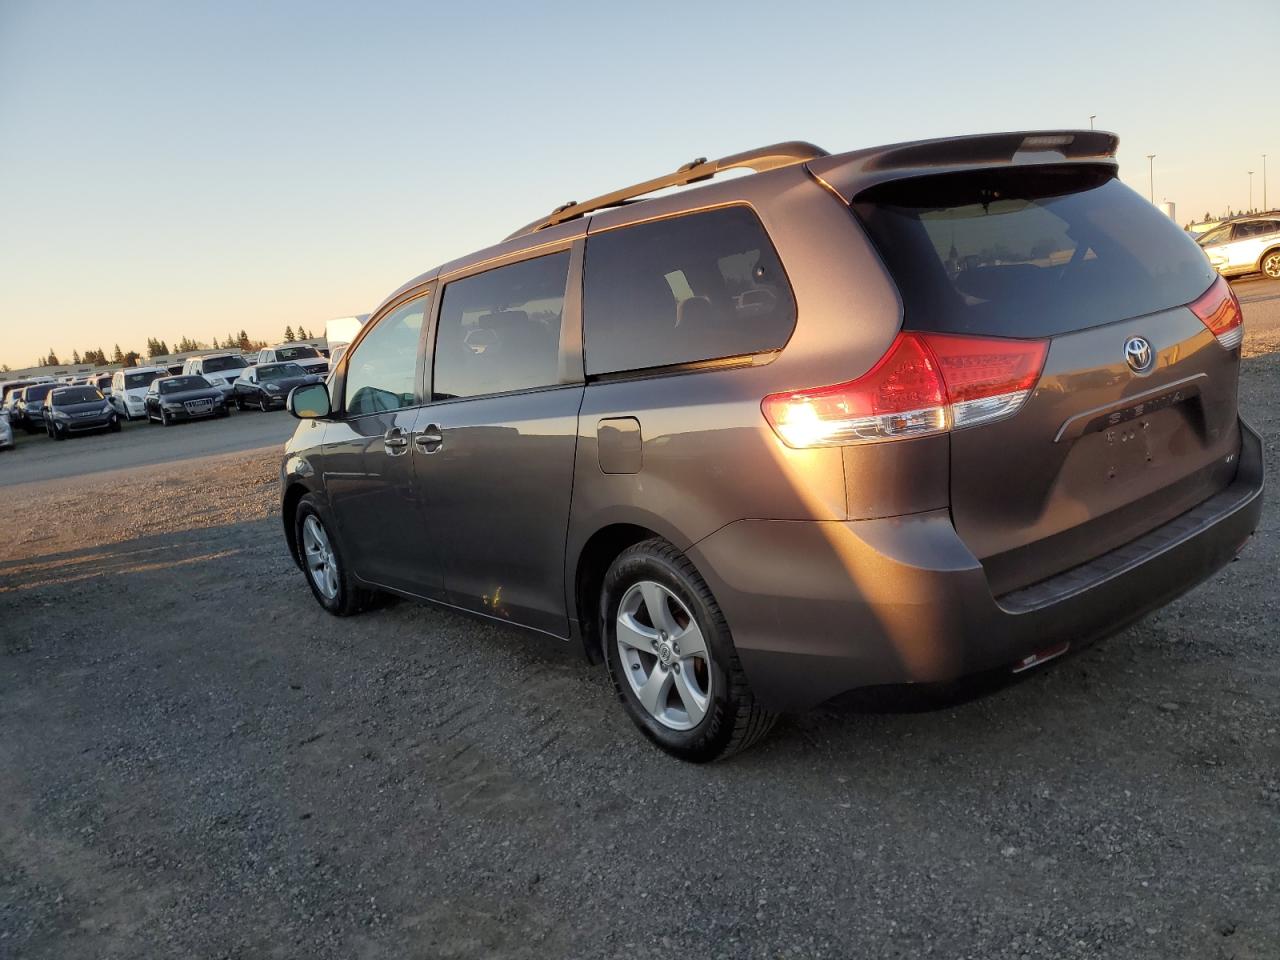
(702, 286)
(1028, 252)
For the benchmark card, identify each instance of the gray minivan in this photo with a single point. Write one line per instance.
(896, 415)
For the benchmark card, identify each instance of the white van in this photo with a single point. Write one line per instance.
(222, 370)
(129, 390)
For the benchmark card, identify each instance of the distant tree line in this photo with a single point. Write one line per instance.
(159, 348)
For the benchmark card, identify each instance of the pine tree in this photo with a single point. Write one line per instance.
(244, 341)
(118, 356)
(75, 357)
(52, 360)
(288, 335)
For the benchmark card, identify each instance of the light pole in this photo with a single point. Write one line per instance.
(1251, 191)
(1264, 182)
(1151, 176)
(1092, 117)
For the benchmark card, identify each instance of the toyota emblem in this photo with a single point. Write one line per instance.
(1138, 352)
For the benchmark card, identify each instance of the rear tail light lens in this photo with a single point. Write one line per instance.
(924, 384)
(1219, 310)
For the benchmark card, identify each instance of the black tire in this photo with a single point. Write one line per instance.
(164, 418)
(239, 402)
(350, 598)
(733, 721)
(223, 411)
(116, 425)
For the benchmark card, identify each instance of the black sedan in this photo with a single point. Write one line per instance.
(71, 410)
(267, 385)
(170, 399)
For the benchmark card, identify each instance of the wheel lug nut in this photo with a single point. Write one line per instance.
(675, 647)
(675, 667)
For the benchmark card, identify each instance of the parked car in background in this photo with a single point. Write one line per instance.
(129, 390)
(9, 388)
(267, 385)
(6, 431)
(30, 405)
(171, 399)
(307, 357)
(103, 382)
(78, 409)
(893, 416)
(220, 369)
(1246, 245)
(174, 369)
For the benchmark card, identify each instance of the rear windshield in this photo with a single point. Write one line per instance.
(214, 364)
(74, 395)
(296, 353)
(1020, 252)
(38, 392)
(179, 384)
(280, 371)
(134, 380)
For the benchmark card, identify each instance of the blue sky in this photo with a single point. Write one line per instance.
(188, 168)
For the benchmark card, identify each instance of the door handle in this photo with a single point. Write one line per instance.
(429, 439)
(394, 442)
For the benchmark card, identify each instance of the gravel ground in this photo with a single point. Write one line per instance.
(196, 761)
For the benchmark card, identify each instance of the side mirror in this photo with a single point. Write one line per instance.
(309, 401)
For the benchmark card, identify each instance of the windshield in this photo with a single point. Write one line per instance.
(1028, 252)
(134, 380)
(215, 364)
(179, 384)
(1216, 235)
(74, 395)
(296, 353)
(280, 371)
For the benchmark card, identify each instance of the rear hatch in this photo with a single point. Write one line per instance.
(1112, 441)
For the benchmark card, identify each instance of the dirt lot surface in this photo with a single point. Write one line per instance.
(196, 761)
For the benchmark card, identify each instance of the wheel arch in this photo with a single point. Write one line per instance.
(293, 493)
(1274, 248)
(594, 559)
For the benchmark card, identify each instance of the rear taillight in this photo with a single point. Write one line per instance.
(1220, 311)
(924, 384)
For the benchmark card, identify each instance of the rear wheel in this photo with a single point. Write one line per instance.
(327, 574)
(1271, 264)
(672, 659)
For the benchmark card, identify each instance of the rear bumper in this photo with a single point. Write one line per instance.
(820, 608)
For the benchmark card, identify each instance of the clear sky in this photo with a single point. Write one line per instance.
(189, 168)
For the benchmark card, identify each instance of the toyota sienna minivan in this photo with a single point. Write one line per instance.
(891, 416)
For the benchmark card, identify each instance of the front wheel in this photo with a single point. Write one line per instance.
(327, 574)
(165, 419)
(1271, 264)
(671, 657)
(115, 425)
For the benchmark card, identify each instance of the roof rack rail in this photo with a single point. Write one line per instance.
(761, 159)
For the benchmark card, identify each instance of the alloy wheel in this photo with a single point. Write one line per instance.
(1271, 265)
(322, 567)
(664, 655)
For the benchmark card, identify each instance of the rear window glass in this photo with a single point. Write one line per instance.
(74, 395)
(296, 353)
(696, 287)
(180, 384)
(214, 364)
(38, 392)
(1028, 252)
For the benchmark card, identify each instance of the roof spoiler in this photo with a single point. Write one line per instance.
(761, 159)
(851, 173)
